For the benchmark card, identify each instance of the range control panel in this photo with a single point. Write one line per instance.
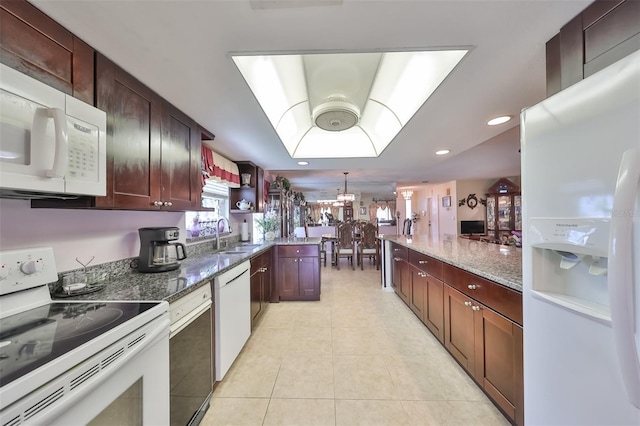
(26, 268)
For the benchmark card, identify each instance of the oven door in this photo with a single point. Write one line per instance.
(191, 374)
(127, 383)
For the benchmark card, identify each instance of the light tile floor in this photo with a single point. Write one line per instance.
(359, 356)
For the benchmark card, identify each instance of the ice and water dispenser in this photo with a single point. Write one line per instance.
(569, 264)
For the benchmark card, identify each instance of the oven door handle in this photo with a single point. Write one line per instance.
(179, 325)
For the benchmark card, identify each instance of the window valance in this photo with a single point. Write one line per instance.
(218, 168)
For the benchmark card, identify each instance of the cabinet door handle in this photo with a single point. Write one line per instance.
(168, 203)
(422, 274)
(472, 287)
(423, 262)
(157, 203)
(397, 259)
(475, 308)
(395, 249)
(468, 303)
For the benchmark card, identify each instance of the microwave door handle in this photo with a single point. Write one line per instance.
(61, 155)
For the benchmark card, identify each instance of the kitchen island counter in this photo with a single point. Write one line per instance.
(499, 263)
(196, 270)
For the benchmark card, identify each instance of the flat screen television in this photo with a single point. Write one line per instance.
(469, 227)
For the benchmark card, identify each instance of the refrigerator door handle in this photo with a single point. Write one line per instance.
(620, 273)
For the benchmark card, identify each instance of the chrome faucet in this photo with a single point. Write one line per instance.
(217, 231)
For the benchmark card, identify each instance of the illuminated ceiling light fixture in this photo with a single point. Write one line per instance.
(344, 105)
(303, 163)
(407, 194)
(346, 196)
(338, 202)
(499, 120)
(443, 152)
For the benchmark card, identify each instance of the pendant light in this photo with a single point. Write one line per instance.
(346, 196)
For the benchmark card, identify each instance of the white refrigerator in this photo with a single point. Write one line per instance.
(581, 256)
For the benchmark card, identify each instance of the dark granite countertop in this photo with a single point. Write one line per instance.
(195, 271)
(498, 263)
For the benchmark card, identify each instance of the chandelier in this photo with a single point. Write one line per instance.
(346, 196)
(337, 202)
(407, 194)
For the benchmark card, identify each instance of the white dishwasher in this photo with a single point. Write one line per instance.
(232, 301)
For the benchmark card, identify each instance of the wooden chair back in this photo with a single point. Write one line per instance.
(345, 244)
(368, 235)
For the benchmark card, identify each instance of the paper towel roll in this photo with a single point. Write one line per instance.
(244, 231)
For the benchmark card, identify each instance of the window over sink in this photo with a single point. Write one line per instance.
(214, 214)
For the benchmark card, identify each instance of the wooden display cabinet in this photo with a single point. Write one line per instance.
(281, 202)
(504, 209)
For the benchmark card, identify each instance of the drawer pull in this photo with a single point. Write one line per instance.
(472, 287)
(475, 308)
(422, 274)
(397, 259)
(422, 262)
(468, 303)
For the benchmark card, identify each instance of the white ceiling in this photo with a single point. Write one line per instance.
(181, 49)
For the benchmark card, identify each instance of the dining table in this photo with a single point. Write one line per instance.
(333, 239)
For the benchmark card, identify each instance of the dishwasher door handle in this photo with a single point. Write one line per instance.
(179, 325)
(222, 285)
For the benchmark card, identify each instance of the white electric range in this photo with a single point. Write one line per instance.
(77, 362)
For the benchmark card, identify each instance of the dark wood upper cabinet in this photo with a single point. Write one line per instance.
(153, 149)
(180, 186)
(606, 31)
(134, 117)
(36, 45)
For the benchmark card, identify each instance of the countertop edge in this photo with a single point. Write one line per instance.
(437, 254)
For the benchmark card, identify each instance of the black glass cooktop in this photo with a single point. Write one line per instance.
(35, 337)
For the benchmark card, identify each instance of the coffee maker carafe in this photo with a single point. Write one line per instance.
(157, 253)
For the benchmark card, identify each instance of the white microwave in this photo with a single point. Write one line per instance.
(51, 144)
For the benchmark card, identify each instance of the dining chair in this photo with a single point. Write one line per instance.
(345, 244)
(368, 245)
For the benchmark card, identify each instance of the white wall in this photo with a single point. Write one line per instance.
(444, 219)
(466, 187)
(108, 235)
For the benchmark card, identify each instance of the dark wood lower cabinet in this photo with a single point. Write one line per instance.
(459, 325)
(499, 362)
(477, 321)
(298, 273)
(489, 347)
(433, 311)
(260, 285)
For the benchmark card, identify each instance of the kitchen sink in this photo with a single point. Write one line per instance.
(234, 252)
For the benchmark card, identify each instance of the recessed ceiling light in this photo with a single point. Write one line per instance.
(499, 120)
(303, 163)
(442, 152)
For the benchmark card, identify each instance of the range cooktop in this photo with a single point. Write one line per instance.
(37, 336)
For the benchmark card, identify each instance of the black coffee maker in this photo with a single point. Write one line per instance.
(157, 253)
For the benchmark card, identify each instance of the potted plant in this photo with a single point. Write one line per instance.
(269, 225)
(281, 182)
